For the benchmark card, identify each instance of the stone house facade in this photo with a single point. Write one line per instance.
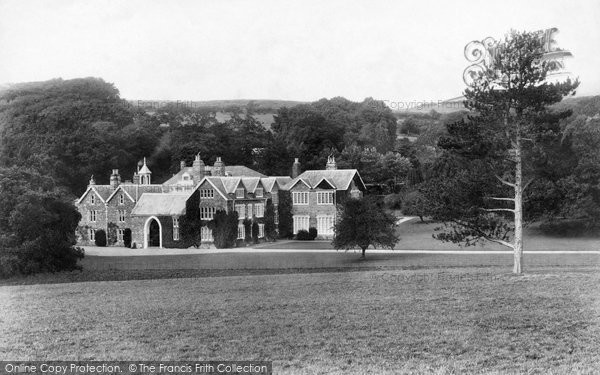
(317, 194)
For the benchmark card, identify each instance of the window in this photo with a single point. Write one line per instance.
(261, 230)
(207, 213)
(300, 198)
(325, 224)
(241, 232)
(121, 199)
(324, 197)
(258, 193)
(300, 223)
(175, 229)
(241, 210)
(239, 193)
(259, 209)
(206, 234)
(92, 235)
(120, 233)
(92, 198)
(92, 215)
(122, 214)
(207, 193)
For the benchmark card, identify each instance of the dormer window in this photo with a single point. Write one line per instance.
(258, 193)
(239, 193)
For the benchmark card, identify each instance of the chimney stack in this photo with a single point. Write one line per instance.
(331, 164)
(182, 165)
(219, 167)
(115, 179)
(296, 168)
(198, 168)
(92, 181)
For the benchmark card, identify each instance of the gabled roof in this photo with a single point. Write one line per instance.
(250, 183)
(135, 190)
(340, 179)
(120, 188)
(295, 181)
(161, 204)
(217, 184)
(101, 191)
(229, 183)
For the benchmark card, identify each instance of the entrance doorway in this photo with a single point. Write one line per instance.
(152, 233)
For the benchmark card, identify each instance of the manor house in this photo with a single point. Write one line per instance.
(150, 213)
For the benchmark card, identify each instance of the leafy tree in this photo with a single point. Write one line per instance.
(413, 204)
(255, 232)
(286, 221)
(69, 129)
(37, 224)
(127, 237)
(224, 227)
(494, 152)
(111, 235)
(247, 223)
(364, 222)
(270, 228)
(190, 224)
(100, 238)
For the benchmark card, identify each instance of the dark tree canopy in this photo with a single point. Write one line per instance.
(364, 222)
(37, 224)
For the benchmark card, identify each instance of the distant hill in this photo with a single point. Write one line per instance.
(260, 105)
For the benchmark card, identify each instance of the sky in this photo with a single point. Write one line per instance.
(398, 51)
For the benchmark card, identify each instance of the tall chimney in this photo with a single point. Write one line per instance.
(219, 167)
(92, 181)
(296, 168)
(115, 179)
(331, 164)
(198, 168)
(182, 165)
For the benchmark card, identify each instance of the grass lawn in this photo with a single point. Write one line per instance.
(416, 235)
(390, 321)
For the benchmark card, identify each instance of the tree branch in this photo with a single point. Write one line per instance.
(501, 199)
(498, 209)
(528, 183)
(501, 242)
(504, 181)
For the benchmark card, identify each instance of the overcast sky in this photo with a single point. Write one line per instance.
(295, 50)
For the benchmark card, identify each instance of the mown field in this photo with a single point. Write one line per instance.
(470, 319)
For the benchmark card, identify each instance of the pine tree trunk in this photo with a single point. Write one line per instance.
(364, 256)
(518, 242)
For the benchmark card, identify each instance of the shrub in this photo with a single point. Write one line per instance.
(255, 232)
(566, 227)
(393, 201)
(100, 237)
(247, 223)
(225, 228)
(312, 233)
(413, 204)
(134, 245)
(111, 236)
(303, 235)
(127, 237)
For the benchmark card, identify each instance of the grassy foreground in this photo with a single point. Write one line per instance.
(395, 321)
